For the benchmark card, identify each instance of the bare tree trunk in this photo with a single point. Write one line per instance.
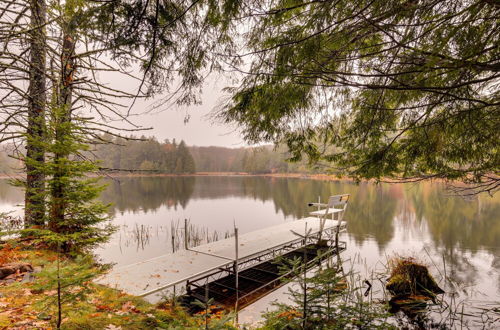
(35, 149)
(62, 130)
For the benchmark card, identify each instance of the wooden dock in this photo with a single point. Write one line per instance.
(254, 282)
(235, 268)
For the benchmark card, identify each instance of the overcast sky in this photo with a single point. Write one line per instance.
(199, 130)
(168, 124)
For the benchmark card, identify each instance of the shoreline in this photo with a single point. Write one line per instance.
(324, 177)
(305, 176)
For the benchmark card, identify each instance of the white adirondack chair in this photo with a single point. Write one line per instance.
(335, 207)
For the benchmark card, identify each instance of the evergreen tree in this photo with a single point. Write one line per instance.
(145, 154)
(76, 221)
(179, 166)
(401, 89)
(185, 161)
(323, 299)
(69, 280)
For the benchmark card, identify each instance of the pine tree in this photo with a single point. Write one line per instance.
(75, 219)
(69, 279)
(179, 166)
(324, 299)
(186, 159)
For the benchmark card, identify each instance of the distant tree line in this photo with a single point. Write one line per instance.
(257, 160)
(147, 154)
(144, 154)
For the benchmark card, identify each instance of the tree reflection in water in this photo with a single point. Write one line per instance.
(148, 193)
(462, 234)
(451, 221)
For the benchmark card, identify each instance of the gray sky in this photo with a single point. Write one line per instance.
(199, 130)
(168, 124)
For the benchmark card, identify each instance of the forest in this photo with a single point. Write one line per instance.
(254, 160)
(140, 154)
(147, 155)
(371, 90)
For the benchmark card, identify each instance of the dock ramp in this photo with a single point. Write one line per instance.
(213, 259)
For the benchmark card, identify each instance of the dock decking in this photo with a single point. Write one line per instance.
(254, 282)
(213, 259)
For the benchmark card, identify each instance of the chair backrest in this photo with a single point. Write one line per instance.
(337, 201)
(340, 200)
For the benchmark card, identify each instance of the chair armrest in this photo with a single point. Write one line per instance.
(317, 204)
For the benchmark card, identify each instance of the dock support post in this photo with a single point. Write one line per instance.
(207, 306)
(186, 234)
(304, 261)
(236, 273)
(172, 229)
(174, 297)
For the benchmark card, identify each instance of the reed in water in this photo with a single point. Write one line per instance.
(141, 235)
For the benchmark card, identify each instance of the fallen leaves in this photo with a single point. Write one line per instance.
(50, 293)
(103, 308)
(129, 307)
(290, 314)
(20, 317)
(9, 254)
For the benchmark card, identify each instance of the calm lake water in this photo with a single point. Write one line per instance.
(456, 237)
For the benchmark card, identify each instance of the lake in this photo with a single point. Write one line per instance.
(456, 237)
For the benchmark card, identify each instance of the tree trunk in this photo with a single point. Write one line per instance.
(62, 132)
(35, 149)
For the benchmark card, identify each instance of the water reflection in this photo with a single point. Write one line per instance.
(451, 222)
(148, 193)
(461, 237)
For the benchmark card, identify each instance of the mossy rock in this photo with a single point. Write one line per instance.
(399, 285)
(409, 278)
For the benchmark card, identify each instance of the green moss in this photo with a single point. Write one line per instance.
(411, 278)
(399, 284)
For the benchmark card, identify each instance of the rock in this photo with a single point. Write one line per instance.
(9, 269)
(410, 278)
(27, 278)
(6, 271)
